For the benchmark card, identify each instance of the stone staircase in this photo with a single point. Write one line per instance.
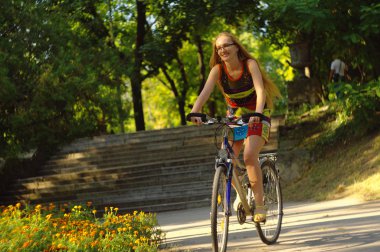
(157, 170)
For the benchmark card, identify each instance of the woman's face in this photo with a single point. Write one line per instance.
(226, 48)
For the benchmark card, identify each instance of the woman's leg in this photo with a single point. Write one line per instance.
(252, 149)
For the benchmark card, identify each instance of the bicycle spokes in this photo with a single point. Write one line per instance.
(270, 230)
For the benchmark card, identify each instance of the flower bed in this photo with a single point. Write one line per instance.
(48, 228)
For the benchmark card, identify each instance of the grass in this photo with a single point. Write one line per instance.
(345, 158)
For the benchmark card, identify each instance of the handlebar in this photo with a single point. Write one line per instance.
(244, 118)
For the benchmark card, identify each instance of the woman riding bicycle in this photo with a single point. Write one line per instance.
(246, 87)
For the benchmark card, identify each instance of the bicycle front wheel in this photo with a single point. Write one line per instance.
(219, 211)
(270, 230)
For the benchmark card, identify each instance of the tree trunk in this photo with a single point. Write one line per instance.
(136, 78)
(180, 100)
(202, 74)
(185, 87)
(120, 110)
(201, 62)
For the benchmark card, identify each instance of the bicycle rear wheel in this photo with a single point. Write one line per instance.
(270, 230)
(219, 207)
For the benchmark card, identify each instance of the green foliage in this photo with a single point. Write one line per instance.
(65, 66)
(344, 29)
(370, 19)
(60, 79)
(358, 102)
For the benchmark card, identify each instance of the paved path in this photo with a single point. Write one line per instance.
(340, 225)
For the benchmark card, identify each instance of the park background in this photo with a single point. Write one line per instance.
(75, 69)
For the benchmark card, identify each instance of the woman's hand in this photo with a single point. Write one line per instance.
(196, 120)
(252, 120)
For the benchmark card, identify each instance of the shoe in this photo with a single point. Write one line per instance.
(236, 202)
(260, 214)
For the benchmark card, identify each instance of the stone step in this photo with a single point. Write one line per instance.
(155, 171)
(175, 146)
(89, 172)
(113, 180)
(117, 167)
(131, 197)
(128, 157)
(196, 199)
(173, 206)
(151, 192)
(122, 158)
(137, 138)
(124, 141)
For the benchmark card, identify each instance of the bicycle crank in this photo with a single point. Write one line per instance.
(241, 217)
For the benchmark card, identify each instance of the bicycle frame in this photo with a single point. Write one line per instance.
(227, 168)
(232, 175)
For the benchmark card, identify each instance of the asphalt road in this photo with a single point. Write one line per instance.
(339, 225)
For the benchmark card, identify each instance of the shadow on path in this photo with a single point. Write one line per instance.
(338, 225)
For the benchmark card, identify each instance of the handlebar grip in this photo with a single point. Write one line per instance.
(201, 115)
(246, 117)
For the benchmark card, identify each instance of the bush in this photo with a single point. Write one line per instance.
(358, 103)
(50, 229)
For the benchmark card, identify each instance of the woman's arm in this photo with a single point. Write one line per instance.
(205, 94)
(258, 84)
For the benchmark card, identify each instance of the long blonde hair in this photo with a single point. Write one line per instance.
(271, 90)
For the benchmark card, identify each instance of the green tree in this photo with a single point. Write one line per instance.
(54, 75)
(348, 28)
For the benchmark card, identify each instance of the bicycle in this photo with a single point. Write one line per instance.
(228, 169)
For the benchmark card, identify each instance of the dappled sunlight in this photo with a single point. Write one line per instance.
(347, 224)
(368, 189)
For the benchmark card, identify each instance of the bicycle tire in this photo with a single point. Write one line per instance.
(219, 215)
(270, 230)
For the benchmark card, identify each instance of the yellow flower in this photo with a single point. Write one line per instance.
(48, 216)
(51, 206)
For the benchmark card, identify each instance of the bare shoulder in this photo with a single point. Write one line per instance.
(253, 66)
(252, 63)
(215, 68)
(214, 72)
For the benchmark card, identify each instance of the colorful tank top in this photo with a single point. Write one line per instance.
(238, 92)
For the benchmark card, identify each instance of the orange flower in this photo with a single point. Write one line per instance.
(26, 244)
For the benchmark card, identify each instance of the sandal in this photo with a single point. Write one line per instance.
(260, 214)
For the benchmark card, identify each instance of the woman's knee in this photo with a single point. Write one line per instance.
(251, 159)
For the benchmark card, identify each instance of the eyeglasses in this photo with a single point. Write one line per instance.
(219, 48)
